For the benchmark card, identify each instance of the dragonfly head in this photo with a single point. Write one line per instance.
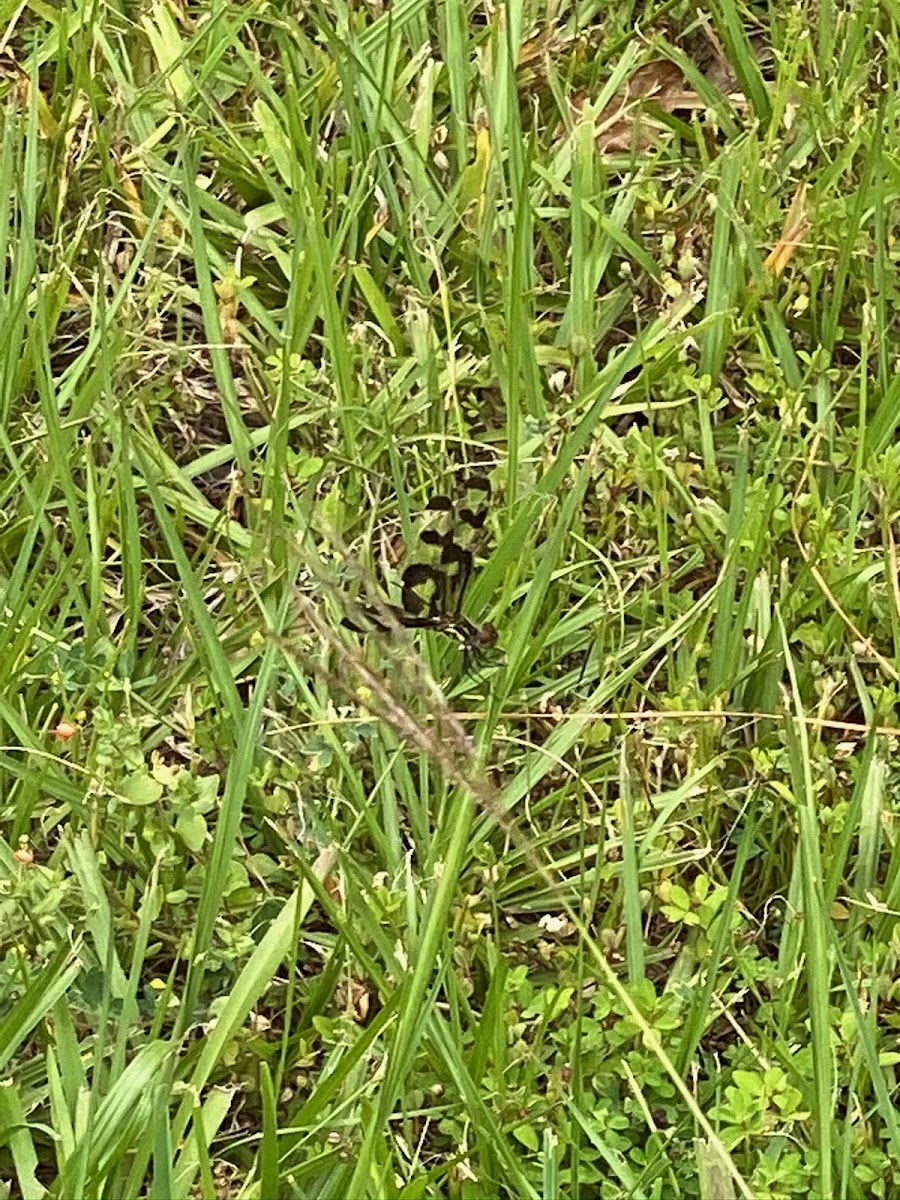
(486, 635)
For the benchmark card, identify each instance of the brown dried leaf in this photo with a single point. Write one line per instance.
(796, 224)
(662, 82)
(622, 125)
(355, 997)
(632, 129)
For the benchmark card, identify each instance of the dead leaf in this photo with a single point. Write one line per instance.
(623, 125)
(662, 81)
(382, 217)
(323, 869)
(354, 997)
(796, 225)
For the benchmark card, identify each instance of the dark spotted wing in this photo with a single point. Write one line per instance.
(432, 592)
(453, 529)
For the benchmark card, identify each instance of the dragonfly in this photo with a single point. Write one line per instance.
(432, 593)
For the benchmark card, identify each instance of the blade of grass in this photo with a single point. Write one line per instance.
(817, 933)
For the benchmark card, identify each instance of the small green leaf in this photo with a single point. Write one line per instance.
(237, 877)
(527, 1135)
(140, 788)
(207, 790)
(191, 828)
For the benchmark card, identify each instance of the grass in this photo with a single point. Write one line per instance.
(291, 911)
